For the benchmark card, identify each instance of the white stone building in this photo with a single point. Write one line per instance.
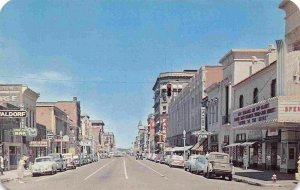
(185, 108)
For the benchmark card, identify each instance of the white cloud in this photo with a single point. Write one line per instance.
(2, 3)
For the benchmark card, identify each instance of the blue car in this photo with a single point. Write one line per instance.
(200, 164)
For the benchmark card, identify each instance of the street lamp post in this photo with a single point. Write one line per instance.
(61, 140)
(184, 133)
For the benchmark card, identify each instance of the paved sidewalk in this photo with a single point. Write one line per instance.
(263, 178)
(12, 175)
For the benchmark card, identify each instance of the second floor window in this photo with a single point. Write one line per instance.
(273, 88)
(241, 102)
(255, 95)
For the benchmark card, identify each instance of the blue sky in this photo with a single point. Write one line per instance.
(109, 53)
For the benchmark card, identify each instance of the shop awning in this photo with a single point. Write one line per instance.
(232, 145)
(182, 148)
(196, 146)
(248, 143)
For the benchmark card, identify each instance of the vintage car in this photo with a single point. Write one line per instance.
(44, 165)
(176, 161)
(189, 164)
(68, 157)
(77, 160)
(218, 165)
(60, 162)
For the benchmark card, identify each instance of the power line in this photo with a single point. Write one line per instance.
(78, 81)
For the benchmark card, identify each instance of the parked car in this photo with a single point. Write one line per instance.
(189, 164)
(168, 159)
(157, 158)
(60, 162)
(218, 165)
(44, 165)
(153, 157)
(139, 156)
(200, 164)
(162, 159)
(95, 158)
(70, 160)
(176, 161)
(77, 160)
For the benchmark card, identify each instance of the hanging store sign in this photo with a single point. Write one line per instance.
(13, 113)
(42, 143)
(28, 132)
(10, 94)
(202, 119)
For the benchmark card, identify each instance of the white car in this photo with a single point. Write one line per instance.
(153, 157)
(44, 165)
(60, 162)
(68, 157)
(176, 161)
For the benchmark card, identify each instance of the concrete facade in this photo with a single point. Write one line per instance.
(167, 85)
(185, 108)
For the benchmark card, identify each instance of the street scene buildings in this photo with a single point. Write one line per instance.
(151, 95)
(250, 105)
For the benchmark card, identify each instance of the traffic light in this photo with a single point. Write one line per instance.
(169, 89)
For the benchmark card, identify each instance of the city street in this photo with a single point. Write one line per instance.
(130, 174)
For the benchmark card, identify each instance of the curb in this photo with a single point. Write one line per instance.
(260, 184)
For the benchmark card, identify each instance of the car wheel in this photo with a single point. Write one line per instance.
(185, 169)
(52, 172)
(223, 177)
(230, 177)
(34, 175)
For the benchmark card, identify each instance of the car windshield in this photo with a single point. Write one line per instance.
(42, 159)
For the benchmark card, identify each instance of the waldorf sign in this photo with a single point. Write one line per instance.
(13, 113)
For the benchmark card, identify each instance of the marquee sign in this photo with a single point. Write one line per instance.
(274, 110)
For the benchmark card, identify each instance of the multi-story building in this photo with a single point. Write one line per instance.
(97, 130)
(265, 114)
(16, 97)
(73, 110)
(167, 85)
(55, 121)
(109, 141)
(185, 108)
(151, 133)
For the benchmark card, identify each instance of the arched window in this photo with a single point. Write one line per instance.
(255, 95)
(273, 88)
(241, 101)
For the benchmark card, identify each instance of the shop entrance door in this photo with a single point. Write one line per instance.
(292, 157)
(274, 156)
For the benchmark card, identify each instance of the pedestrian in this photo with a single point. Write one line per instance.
(1, 165)
(5, 163)
(21, 168)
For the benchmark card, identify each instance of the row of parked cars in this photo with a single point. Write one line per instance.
(214, 164)
(55, 162)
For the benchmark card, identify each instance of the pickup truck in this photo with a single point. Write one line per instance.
(218, 165)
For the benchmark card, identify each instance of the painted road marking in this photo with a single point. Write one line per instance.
(98, 170)
(162, 175)
(125, 171)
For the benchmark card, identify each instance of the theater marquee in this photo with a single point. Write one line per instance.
(270, 111)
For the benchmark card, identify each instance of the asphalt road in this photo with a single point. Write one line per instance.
(126, 173)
